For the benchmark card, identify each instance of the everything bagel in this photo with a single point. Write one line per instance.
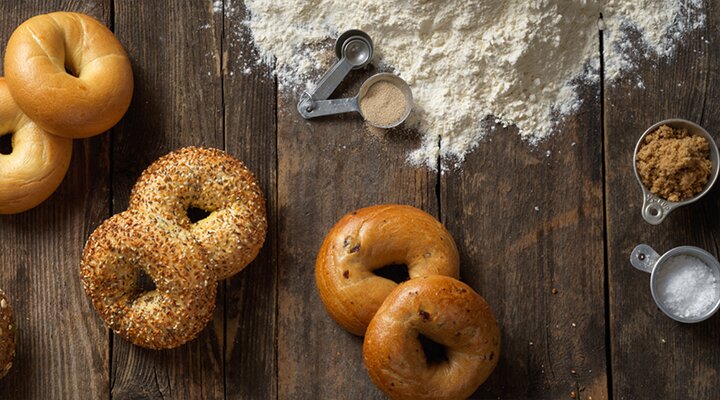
(445, 311)
(210, 180)
(69, 74)
(371, 238)
(36, 163)
(184, 298)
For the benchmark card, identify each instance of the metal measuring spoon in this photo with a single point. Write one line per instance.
(352, 104)
(654, 208)
(354, 49)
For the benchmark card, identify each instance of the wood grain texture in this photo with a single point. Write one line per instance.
(175, 50)
(58, 333)
(250, 127)
(528, 221)
(326, 168)
(654, 357)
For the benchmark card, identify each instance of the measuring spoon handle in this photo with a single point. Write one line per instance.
(312, 109)
(332, 78)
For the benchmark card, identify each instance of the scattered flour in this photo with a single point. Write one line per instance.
(475, 63)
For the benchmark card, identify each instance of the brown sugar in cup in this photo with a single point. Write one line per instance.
(670, 162)
(673, 163)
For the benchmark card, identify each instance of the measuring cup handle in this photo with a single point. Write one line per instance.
(311, 109)
(332, 78)
(654, 210)
(644, 258)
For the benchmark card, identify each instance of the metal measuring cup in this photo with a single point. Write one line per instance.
(654, 208)
(644, 258)
(352, 104)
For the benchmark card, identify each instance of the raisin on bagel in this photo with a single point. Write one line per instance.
(431, 309)
(69, 74)
(368, 239)
(33, 162)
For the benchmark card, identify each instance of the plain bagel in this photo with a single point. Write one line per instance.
(442, 310)
(69, 74)
(371, 238)
(36, 163)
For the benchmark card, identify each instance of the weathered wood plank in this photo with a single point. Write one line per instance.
(527, 222)
(58, 333)
(175, 49)
(654, 357)
(250, 134)
(327, 168)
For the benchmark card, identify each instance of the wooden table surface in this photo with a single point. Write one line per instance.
(525, 224)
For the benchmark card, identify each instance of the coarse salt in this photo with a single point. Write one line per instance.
(687, 287)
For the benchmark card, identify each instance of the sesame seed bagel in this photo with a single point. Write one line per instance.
(445, 311)
(211, 180)
(7, 335)
(36, 163)
(69, 74)
(184, 298)
(371, 238)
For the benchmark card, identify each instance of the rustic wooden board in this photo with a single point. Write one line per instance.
(178, 102)
(652, 356)
(58, 334)
(327, 168)
(526, 222)
(249, 101)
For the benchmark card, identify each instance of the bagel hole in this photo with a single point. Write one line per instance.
(6, 145)
(435, 353)
(70, 70)
(145, 282)
(196, 214)
(397, 273)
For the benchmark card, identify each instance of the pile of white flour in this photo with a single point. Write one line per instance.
(517, 61)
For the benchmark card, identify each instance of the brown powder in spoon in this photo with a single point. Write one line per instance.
(383, 104)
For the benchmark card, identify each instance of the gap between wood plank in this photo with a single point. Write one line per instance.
(606, 275)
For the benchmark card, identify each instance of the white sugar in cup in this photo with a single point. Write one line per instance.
(684, 282)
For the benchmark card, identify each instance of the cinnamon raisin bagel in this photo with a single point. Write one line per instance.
(371, 238)
(35, 162)
(69, 74)
(435, 309)
(7, 335)
(183, 300)
(210, 180)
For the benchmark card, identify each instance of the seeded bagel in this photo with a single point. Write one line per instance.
(184, 298)
(7, 335)
(210, 180)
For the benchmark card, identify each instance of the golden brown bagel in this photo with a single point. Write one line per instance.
(184, 298)
(369, 239)
(38, 161)
(211, 180)
(86, 100)
(445, 311)
(7, 335)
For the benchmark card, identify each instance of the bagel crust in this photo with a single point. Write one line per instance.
(184, 298)
(38, 161)
(371, 238)
(7, 335)
(447, 312)
(69, 74)
(209, 179)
